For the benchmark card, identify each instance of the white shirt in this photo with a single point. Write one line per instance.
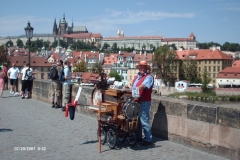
(23, 71)
(13, 72)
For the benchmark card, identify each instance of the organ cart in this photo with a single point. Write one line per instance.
(117, 112)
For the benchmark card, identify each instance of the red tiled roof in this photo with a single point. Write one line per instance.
(87, 76)
(143, 57)
(236, 63)
(178, 39)
(229, 72)
(34, 61)
(83, 35)
(203, 54)
(133, 37)
(111, 59)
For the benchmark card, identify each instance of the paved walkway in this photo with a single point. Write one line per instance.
(26, 123)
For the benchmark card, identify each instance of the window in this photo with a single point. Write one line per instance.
(218, 68)
(199, 68)
(213, 75)
(218, 62)
(209, 62)
(213, 81)
(214, 62)
(205, 62)
(42, 75)
(130, 78)
(209, 69)
(42, 69)
(214, 68)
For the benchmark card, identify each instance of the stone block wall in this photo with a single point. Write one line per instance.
(204, 126)
(208, 127)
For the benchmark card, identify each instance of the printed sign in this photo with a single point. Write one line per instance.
(135, 92)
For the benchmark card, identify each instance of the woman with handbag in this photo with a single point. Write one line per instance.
(2, 84)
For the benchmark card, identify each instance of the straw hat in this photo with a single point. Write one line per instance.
(143, 63)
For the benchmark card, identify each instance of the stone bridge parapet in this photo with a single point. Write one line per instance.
(209, 127)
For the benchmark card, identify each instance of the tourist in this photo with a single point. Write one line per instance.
(13, 74)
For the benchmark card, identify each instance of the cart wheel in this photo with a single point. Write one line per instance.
(103, 135)
(121, 139)
(131, 138)
(111, 138)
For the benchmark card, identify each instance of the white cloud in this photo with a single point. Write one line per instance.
(128, 17)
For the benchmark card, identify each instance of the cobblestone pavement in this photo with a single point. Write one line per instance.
(26, 123)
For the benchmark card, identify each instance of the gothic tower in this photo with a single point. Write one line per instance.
(63, 25)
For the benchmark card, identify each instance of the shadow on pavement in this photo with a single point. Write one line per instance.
(5, 130)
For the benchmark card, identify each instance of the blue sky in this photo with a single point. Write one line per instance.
(209, 20)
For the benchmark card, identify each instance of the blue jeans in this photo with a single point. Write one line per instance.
(145, 122)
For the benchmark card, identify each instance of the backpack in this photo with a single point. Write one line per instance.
(53, 73)
(61, 75)
(28, 75)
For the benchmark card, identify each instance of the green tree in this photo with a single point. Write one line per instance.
(114, 47)
(115, 74)
(19, 43)
(46, 44)
(189, 68)
(173, 46)
(105, 46)
(9, 43)
(165, 63)
(4, 55)
(81, 67)
(97, 68)
(205, 80)
(63, 44)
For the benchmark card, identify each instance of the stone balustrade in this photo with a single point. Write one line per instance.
(208, 127)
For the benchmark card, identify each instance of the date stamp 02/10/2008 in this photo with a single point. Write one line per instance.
(30, 148)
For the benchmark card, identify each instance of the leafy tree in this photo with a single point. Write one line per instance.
(115, 74)
(97, 68)
(225, 46)
(81, 67)
(189, 68)
(165, 63)
(46, 44)
(80, 45)
(63, 44)
(206, 79)
(151, 46)
(9, 43)
(19, 43)
(197, 80)
(182, 48)
(105, 46)
(143, 46)
(114, 47)
(173, 46)
(3, 55)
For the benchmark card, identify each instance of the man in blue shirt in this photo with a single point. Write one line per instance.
(144, 81)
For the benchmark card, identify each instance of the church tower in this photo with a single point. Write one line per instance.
(55, 30)
(63, 25)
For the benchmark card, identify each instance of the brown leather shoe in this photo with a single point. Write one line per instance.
(146, 143)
